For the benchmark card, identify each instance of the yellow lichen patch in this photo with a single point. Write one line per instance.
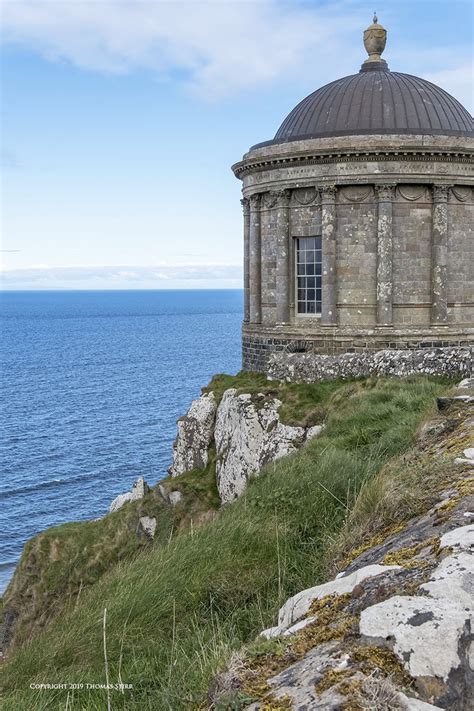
(331, 623)
(380, 659)
(351, 689)
(274, 704)
(376, 540)
(331, 678)
(466, 486)
(406, 556)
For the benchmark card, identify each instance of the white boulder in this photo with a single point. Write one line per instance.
(139, 489)
(195, 434)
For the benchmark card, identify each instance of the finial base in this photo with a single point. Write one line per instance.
(376, 65)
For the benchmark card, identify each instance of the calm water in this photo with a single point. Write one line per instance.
(92, 385)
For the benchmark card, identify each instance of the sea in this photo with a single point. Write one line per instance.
(92, 384)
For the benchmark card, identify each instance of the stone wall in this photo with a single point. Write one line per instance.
(395, 215)
(259, 344)
(311, 367)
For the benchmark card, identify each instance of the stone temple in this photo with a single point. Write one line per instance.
(358, 219)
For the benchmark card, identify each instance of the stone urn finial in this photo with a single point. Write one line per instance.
(375, 38)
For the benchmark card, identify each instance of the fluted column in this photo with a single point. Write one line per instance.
(255, 265)
(439, 255)
(282, 257)
(246, 210)
(328, 234)
(384, 255)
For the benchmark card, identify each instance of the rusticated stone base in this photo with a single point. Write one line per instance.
(259, 342)
(311, 367)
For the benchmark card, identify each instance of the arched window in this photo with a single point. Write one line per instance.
(308, 275)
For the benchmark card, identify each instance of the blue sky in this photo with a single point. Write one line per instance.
(121, 119)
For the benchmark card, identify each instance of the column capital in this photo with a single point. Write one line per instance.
(283, 197)
(440, 192)
(245, 205)
(328, 192)
(385, 191)
(255, 200)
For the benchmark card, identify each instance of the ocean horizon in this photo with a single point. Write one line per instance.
(93, 382)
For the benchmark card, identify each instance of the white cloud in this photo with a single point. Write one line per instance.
(113, 277)
(458, 81)
(218, 46)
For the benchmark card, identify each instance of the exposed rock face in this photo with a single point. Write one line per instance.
(430, 633)
(310, 367)
(247, 432)
(299, 605)
(195, 434)
(139, 489)
(248, 435)
(395, 629)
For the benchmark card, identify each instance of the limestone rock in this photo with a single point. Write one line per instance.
(195, 434)
(174, 497)
(139, 489)
(298, 606)
(431, 632)
(248, 434)
(149, 525)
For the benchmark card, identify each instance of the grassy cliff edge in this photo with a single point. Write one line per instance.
(177, 608)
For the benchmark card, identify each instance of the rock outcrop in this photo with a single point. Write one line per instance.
(139, 489)
(310, 367)
(247, 433)
(395, 629)
(195, 434)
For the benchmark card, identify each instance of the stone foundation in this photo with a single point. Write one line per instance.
(311, 367)
(259, 343)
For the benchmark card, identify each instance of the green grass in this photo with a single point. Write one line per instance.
(176, 612)
(302, 403)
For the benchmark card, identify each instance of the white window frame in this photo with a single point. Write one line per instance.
(297, 275)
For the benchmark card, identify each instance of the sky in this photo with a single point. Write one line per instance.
(121, 119)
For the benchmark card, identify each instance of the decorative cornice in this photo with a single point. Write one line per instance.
(247, 167)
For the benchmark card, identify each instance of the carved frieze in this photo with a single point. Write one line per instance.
(462, 193)
(412, 193)
(269, 199)
(305, 196)
(356, 193)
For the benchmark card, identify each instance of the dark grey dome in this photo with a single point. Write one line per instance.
(376, 102)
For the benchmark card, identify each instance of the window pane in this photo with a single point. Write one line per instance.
(309, 277)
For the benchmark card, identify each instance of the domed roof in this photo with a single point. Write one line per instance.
(376, 101)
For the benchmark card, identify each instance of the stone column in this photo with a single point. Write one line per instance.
(282, 257)
(246, 209)
(439, 255)
(384, 255)
(328, 234)
(255, 264)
